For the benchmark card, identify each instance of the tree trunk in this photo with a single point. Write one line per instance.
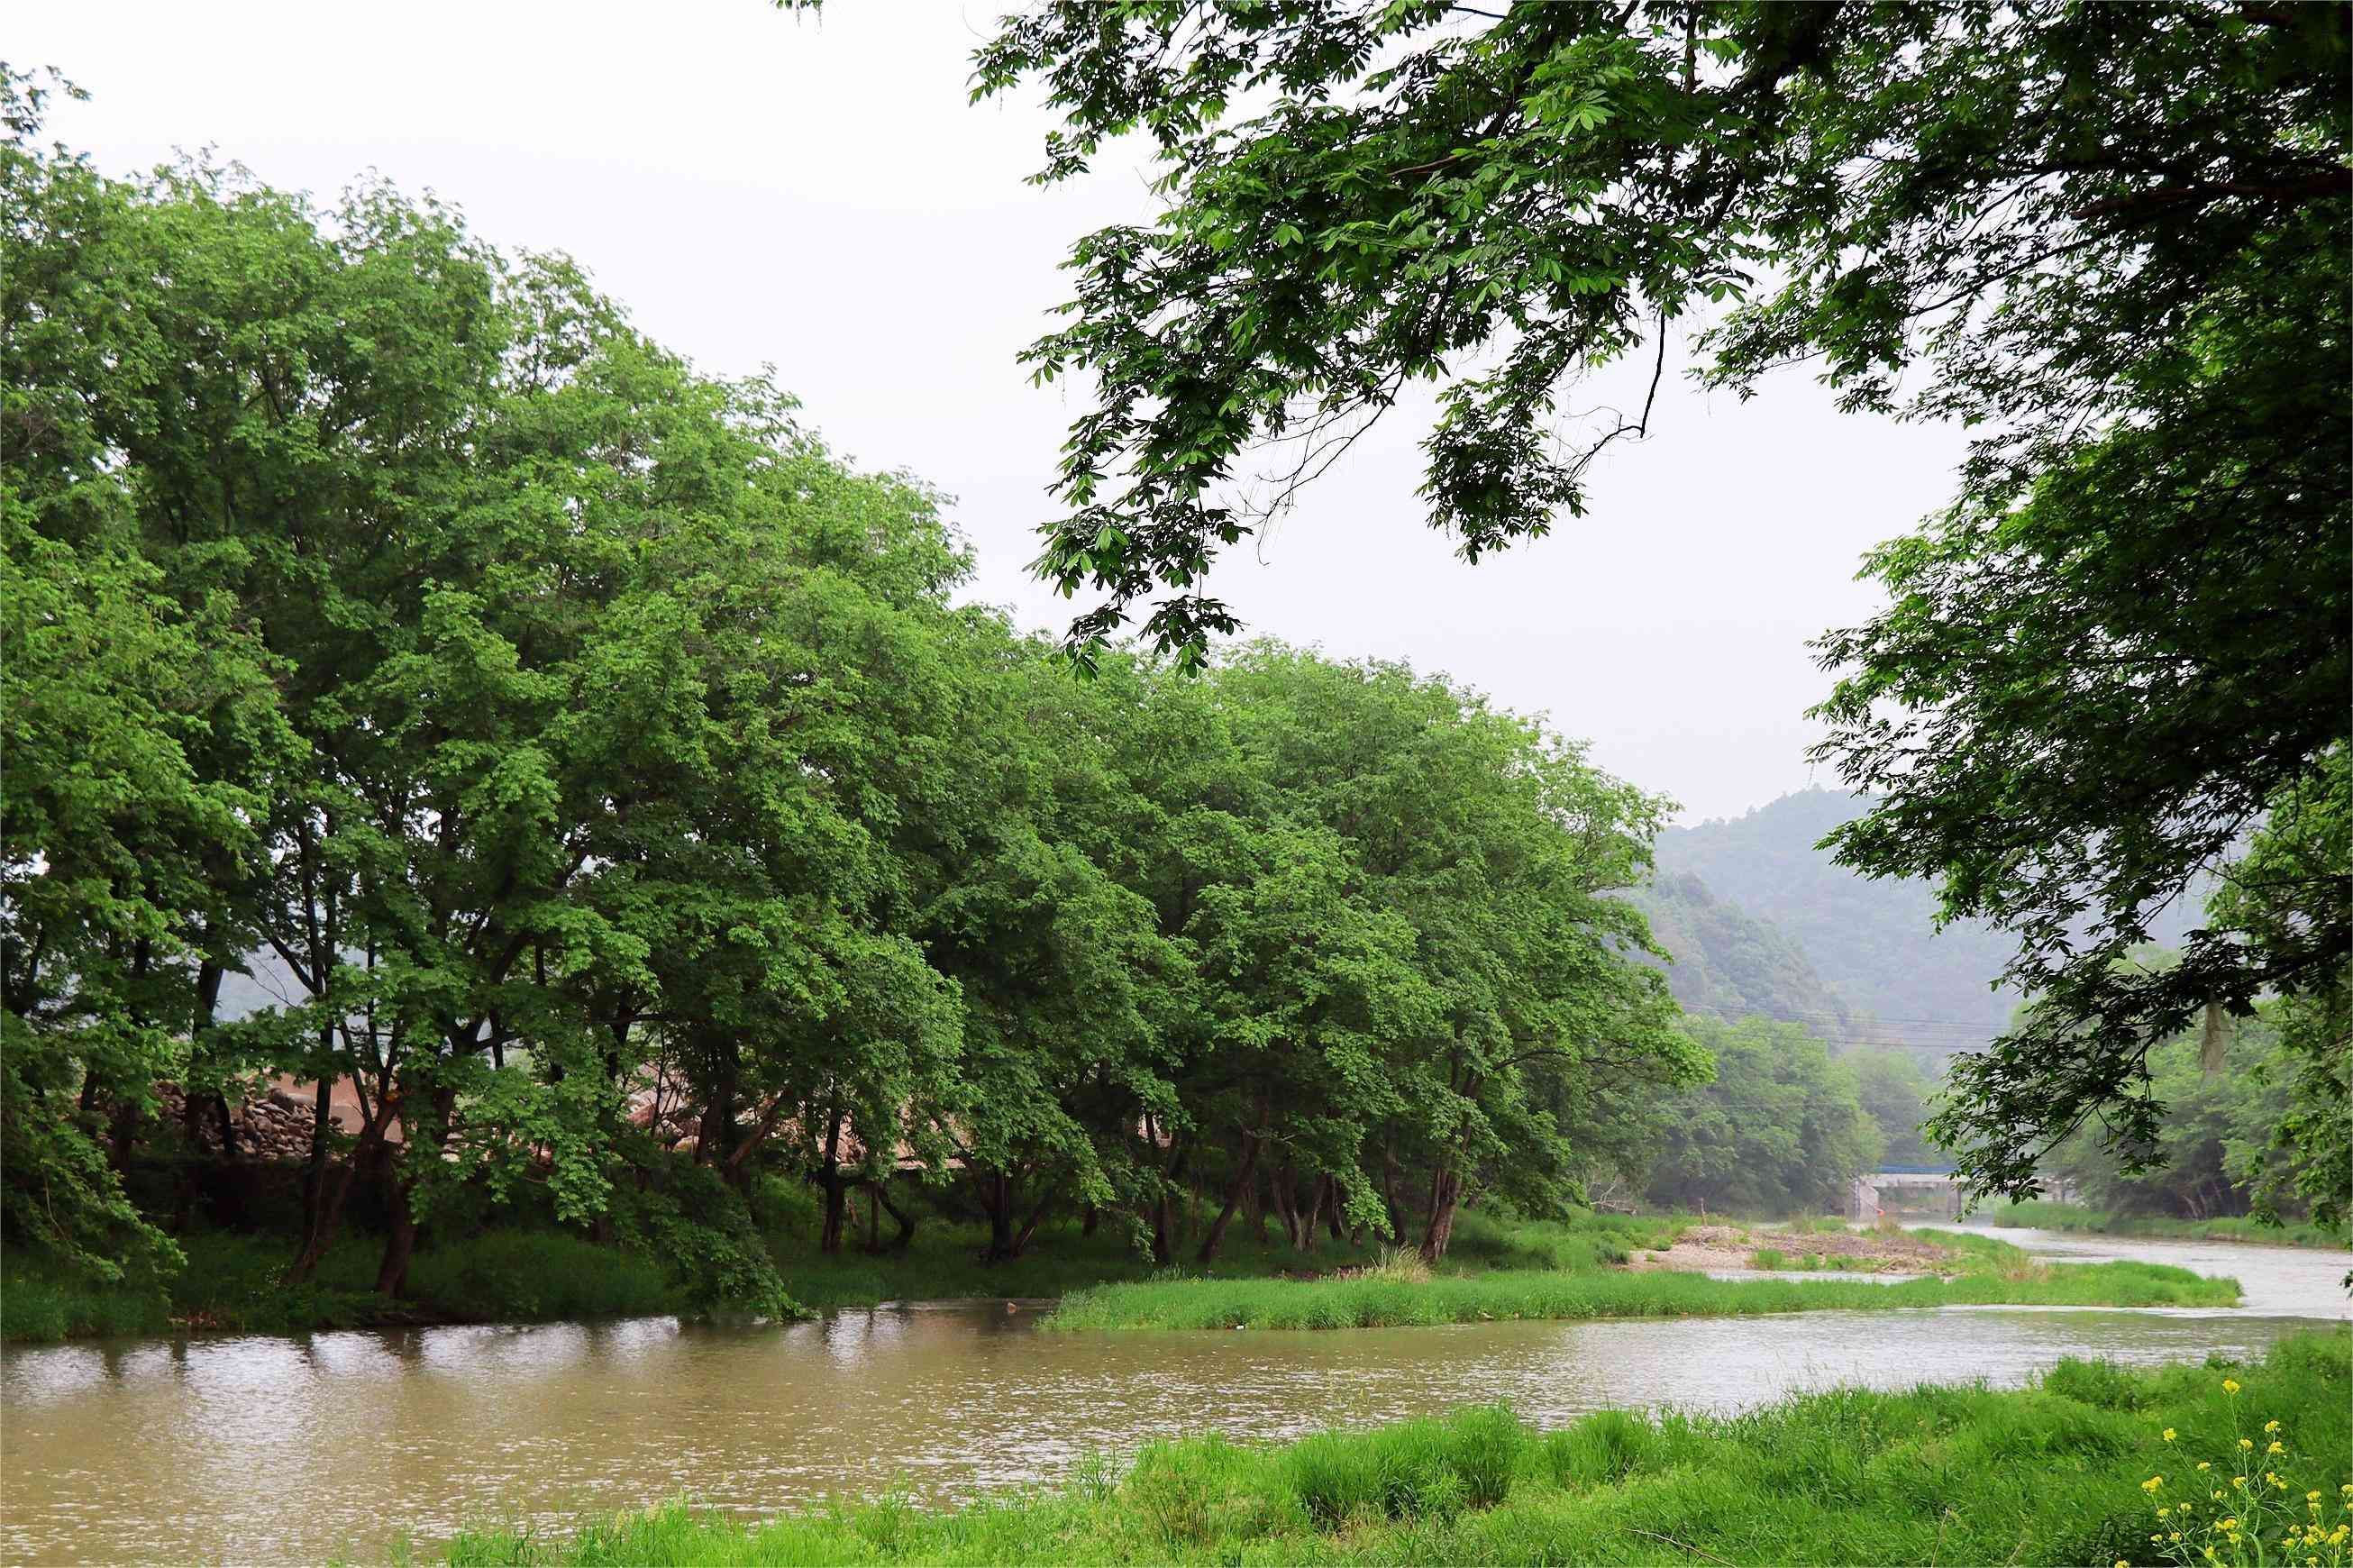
(191, 1107)
(1279, 1193)
(424, 1142)
(1445, 1189)
(1087, 1225)
(996, 1197)
(1164, 1211)
(830, 1242)
(326, 1216)
(714, 1136)
(1245, 1176)
(1029, 1228)
(1305, 1240)
(1332, 1210)
(314, 1179)
(399, 1245)
(906, 1236)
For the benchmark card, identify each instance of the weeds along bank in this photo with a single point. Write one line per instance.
(1499, 1270)
(2092, 1465)
(1375, 1302)
(512, 1273)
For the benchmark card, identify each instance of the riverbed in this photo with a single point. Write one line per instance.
(265, 1449)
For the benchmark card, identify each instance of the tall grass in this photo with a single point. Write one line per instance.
(945, 1260)
(2053, 1474)
(1363, 1302)
(2070, 1216)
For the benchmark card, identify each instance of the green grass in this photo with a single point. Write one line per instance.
(2051, 1474)
(2070, 1216)
(517, 1275)
(1373, 1303)
(232, 1283)
(943, 1261)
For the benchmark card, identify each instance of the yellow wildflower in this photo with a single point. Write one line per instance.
(2204, 1466)
(2151, 1484)
(2270, 1425)
(2230, 1385)
(2313, 1496)
(2276, 1448)
(2246, 1442)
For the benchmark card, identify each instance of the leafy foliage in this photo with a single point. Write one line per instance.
(2111, 241)
(633, 818)
(1780, 1130)
(1730, 964)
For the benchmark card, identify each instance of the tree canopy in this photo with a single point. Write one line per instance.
(2111, 241)
(635, 814)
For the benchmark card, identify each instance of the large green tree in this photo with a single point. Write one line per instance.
(1781, 1128)
(140, 737)
(2110, 240)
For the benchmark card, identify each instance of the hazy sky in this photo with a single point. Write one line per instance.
(819, 196)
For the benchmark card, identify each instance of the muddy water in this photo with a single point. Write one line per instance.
(260, 1449)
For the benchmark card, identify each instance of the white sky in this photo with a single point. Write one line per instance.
(818, 194)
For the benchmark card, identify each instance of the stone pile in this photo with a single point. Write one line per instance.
(271, 1126)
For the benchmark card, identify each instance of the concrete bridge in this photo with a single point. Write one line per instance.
(1862, 1198)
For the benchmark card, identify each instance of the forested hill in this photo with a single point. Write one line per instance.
(1873, 942)
(1729, 962)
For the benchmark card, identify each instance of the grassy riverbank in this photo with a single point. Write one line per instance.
(535, 1275)
(231, 1283)
(2054, 1474)
(2069, 1216)
(1377, 1302)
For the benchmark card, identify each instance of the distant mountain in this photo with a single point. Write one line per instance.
(1873, 942)
(1732, 964)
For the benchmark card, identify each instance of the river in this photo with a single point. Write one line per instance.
(258, 1449)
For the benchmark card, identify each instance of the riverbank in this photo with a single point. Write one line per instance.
(2240, 1228)
(1498, 1271)
(231, 1284)
(2057, 1473)
(519, 1275)
(1372, 1301)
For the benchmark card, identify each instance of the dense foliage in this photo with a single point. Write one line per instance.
(2111, 241)
(1876, 942)
(1729, 962)
(632, 817)
(1780, 1130)
(2236, 1135)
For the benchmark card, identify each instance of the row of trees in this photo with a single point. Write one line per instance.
(2112, 242)
(570, 725)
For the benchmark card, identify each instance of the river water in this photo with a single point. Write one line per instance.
(259, 1449)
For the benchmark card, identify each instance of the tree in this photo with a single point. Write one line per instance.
(1896, 1095)
(1779, 1130)
(2110, 240)
(140, 738)
(1975, 183)
(1498, 846)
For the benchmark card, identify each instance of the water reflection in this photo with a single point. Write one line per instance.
(257, 1449)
